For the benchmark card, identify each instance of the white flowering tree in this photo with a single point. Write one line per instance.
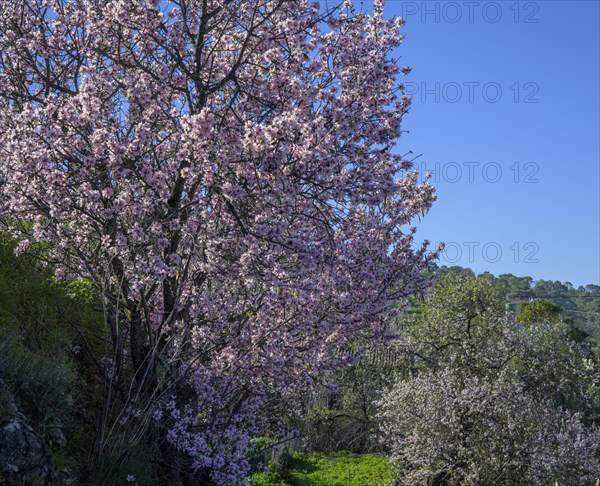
(479, 407)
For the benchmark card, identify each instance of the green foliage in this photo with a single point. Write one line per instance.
(80, 289)
(317, 469)
(343, 416)
(460, 319)
(49, 317)
(259, 444)
(48, 332)
(559, 368)
(40, 384)
(582, 304)
(40, 323)
(539, 311)
(114, 468)
(49, 335)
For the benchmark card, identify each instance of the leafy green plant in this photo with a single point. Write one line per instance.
(49, 332)
(539, 311)
(40, 384)
(50, 317)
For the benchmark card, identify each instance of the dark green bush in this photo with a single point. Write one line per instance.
(40, 384)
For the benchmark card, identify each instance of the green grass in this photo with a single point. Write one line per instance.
(338, 469)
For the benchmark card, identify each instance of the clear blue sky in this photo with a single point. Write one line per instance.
(517, 90)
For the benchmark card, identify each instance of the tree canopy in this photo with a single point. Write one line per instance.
(221, 173)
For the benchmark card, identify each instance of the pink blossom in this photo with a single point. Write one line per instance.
(225, 192)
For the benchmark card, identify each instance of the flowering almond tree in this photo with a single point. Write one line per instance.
(221, 172)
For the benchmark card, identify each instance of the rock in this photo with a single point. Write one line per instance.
(23, 457)
(71, 476)
(56, 434)
(8, 407)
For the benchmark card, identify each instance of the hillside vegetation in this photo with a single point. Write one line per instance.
(52, 334)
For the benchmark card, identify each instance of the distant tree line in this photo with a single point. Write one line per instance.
(581, 304)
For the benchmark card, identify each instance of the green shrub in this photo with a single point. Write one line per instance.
(49, 316)
(40, 384)
(49, 335)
